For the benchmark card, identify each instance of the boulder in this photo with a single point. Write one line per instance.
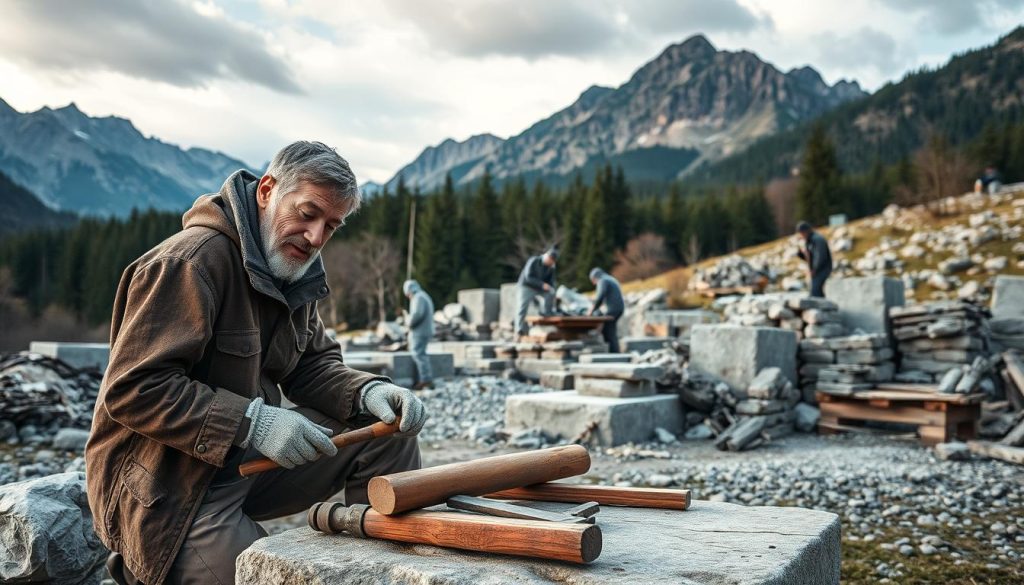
(46, 532)
(70, 439)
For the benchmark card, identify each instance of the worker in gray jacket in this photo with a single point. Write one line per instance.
(609, 296)
(818, 257)
(536, 279)
(421, 331)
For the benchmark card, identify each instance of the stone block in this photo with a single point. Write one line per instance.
(825, 330)
(557, 380)
(711, 542)
(1008, 297)
(612, 388)
(676, 323)
(487, 365)
(642, 344)
(818, 356)
(818, 316)
(400, 367)
(619, 420)
(636, 372)
(736, 354)
(605, 358)
(864, 301)
(80, 355)
(483, 305)
(532, 368)
(756, 406)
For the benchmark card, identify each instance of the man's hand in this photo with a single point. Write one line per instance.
(287, 437)
(547, 287)
(387, 401)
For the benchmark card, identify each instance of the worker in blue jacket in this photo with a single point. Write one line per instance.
(609, 297)
(818, 257)
(536, 280)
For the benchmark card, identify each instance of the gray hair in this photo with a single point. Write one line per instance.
(316, 163)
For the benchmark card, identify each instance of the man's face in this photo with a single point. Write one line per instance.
(549, 260)
(294, 227)
(805, 234)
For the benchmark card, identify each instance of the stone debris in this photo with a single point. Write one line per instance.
(807, 316)
(40, 396)
(730, 272)
(474, 409)
(765, 415)
(935, 338)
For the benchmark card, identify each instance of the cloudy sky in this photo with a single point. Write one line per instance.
(382, 80)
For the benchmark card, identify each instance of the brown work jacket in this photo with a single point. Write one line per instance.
(195, 336)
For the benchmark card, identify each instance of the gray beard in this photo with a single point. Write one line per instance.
(281, 266)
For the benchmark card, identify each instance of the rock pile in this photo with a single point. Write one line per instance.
(767, 413)
(39, 396)
(843, 365)
(732, 271)
(934, 338)
(807, 316)
(474, 409)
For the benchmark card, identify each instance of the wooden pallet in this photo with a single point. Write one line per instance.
(939, 417)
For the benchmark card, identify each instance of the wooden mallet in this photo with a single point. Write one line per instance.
(374, 431)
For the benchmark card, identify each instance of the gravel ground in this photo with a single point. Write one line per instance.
(907, 516)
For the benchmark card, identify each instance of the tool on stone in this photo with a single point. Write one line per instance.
(374, 431)
(408, 490)
(563, 541)
(579, 515)
(603, 495)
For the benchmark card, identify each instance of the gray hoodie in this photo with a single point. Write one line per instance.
(421, 310)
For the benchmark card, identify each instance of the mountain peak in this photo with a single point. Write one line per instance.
(698, 43)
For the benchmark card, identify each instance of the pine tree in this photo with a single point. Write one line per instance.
(817, 193)
(594, 243)
(484, 237)
(438, 252)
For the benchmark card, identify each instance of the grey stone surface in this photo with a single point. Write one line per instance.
(679, 322)
(711, 542)
(864, 301)
(619, 420)
(635, 372)
(605, 358)
(80, 355)
(400, 367)
(736, 354)
(70, 439)
(613, 388)
(642, 344)
(532, 368)
(483, 305)
(46, 533)
(557, 380)
(464, 352)
(1008, 297)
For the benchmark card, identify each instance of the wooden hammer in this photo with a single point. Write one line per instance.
(376, 430)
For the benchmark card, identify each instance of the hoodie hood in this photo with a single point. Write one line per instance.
(411, 287)
(233, 212)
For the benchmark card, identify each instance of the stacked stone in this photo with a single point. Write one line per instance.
(809, 317)
(767, 413)
(561, 350)
(41, 395)
(615, 380)
(843, 365)
(731, 271)
(934, 338)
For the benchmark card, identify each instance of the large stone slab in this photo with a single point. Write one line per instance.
(736, 354)
(1008, 297)
(79, 355)
(532, 368)
(613, 388)
(709, 543)
(619, 420)
(483, 305)
(636, 372)
(864, 301)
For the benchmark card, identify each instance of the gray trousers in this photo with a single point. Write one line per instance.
(418, 348)
(526, 295)
(226, 522)
(818, 284)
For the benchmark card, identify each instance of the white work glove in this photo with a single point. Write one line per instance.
(285, 436)
(386, 401)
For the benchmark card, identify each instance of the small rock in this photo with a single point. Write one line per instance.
(927, 549)
(952, 451)
(659, 480)
(70, 439)
(664, 435)
(701, 431)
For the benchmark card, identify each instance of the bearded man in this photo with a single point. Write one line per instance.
(209, 328)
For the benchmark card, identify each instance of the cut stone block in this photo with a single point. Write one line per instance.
(818, 356)
(487, 365)
(768, 384)
(613, 388)
(825, 330)
(820, 316)
(1008, 297)
(642, 344)
(532, 368)
(619, 420)
(737, 354)
(636, 372)
(79, 355)
(399, 365)
(864, 301)
(605, 358)
(675, 323)
(711, 542)
(483, 305)
(557, 380)
(756, 406)
(869, 341)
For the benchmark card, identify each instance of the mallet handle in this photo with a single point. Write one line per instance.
(374, 431)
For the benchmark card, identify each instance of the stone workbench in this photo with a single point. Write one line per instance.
(709, 543)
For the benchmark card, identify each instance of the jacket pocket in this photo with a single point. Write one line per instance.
(142, 485)
(241, 343)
